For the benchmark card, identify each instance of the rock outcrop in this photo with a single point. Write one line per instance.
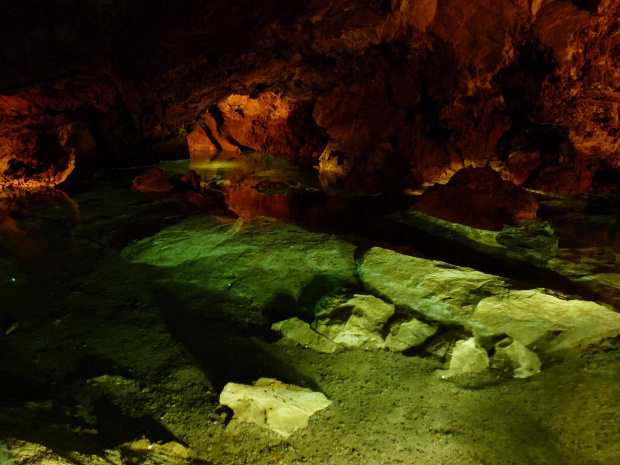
(403, 93)
(480, 198)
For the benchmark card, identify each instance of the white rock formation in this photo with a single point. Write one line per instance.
(467, 357)
(273, 405)
(404, 336)
(534, 317)
(517, 357)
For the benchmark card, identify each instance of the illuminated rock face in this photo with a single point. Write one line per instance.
(266, 123)
(404, 92)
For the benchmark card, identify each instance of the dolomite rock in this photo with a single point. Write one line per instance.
(437, 290)
(516, 357)
(467, 357)
(301, 332)
(533, 317)
(413, 333)
(273, 405)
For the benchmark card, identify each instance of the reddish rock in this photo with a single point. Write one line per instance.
(267, 123)
(191, 181)
(438, 82)
(154, 180)
(480, 198)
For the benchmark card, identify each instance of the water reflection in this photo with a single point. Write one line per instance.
(33, 221)
(259, 184)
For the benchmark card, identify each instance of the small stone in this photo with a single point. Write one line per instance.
(301, 332)
(468, 357)
(515, 356)
(273, 405)
(368, 316)
(403, 336)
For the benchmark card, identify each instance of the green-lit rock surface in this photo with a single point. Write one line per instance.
(262, 262)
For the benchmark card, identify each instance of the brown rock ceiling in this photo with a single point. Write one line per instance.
(382, 93)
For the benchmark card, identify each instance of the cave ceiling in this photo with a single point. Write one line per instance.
(381, 93)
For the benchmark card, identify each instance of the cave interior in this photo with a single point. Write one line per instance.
(328, 231)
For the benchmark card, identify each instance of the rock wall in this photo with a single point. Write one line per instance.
(387, 93)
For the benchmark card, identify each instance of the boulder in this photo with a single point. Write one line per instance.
(301, 332)
(549, 323)
(273, 405)
(260, 263)
(480, 198)
(191, 181)
(437, 290)
(154, 180)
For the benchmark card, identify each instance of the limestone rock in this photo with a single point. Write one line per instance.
(301, 332)
(468, 357)
(480, 198)
(550, 323)
(437, 290)
(413, 333)
(273, 405)
(514, 355)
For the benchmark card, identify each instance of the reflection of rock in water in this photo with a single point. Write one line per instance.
(23, 229)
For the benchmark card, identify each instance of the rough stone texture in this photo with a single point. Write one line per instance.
(261, 263)
(408, 91)
(478, 197)
(437, 290)
(404, 336)
(301, 332)
(266, 123)
(368, 316)
(516, 357)
(535, 318)
(467, 357)
(273, 405)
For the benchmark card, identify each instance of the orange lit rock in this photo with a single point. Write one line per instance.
(438, 82)
(191, 180)
(154, 180)
(45, 159)
(480, 198)
(267, 123)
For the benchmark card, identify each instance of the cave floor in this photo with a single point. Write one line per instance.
(110, 354)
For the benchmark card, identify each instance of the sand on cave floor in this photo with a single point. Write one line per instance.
(103, 362)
